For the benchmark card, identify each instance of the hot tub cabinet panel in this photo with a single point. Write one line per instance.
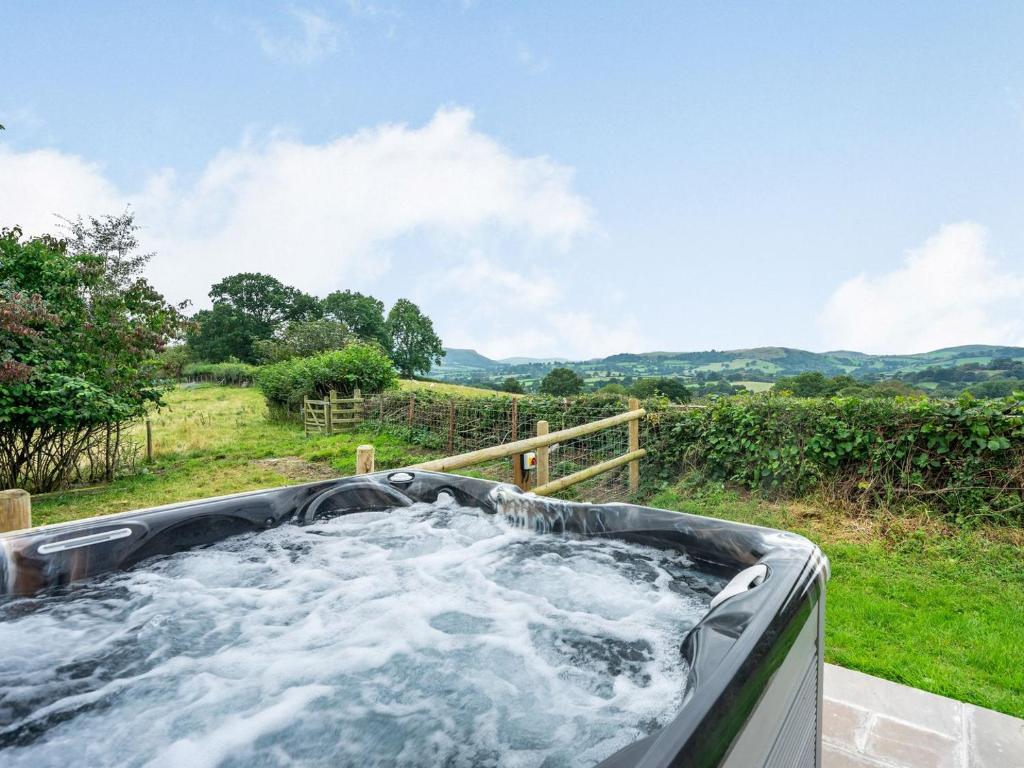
(753, 693)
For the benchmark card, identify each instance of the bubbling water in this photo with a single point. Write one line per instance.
(428, 635)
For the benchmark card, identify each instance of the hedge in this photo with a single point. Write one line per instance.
(964, 458)
(221, 373)
(357, 366)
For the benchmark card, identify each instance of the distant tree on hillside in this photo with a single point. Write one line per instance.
(415, 347)
(613, 388)
(996, 388)
(247, 307)
(562, 382)
(364, 315)
(811, 384)
(513, 385)
(674, 389)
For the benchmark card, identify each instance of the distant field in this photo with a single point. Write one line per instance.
(755, 386)
(411, 385)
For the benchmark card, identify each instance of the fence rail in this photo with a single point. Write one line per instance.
(531, 457)
(333, 414)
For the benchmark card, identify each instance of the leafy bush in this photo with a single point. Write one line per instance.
(302, 338)
(221, 373)
(358, 366)
(964, 457)
(171, 362)
(80, 329)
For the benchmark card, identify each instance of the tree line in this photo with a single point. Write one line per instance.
(255, 318)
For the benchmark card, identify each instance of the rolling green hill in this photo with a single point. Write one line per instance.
(759, 364)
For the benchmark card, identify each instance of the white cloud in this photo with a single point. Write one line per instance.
(41, 183)
(441, 212)
(949, 291)
(308, 38)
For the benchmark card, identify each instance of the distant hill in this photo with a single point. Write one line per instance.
(466, 358)
(759, 363)
(531, 360)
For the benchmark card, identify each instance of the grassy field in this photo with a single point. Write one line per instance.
(448, 389)
(909, 601)
(212, 440)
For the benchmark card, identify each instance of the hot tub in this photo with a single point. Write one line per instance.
(527, 631)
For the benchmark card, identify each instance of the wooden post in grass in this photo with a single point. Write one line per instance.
(364, 459)
(149, 442)
(15, 510)
(542, 455)
(634, 445)
(412, 408)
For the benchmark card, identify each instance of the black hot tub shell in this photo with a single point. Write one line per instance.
(754, 689)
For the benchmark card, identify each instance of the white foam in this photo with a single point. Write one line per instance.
(416, 637)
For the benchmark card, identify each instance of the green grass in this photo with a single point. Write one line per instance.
(448, 389)
(910, 601)
(213, 440)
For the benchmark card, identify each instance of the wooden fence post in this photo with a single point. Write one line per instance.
(329, 415)
(634, 444)
(15, 510)
(451, 426)
(542, 455)
(149, 441)
(357, 407)
(364, 459)
(412, 406)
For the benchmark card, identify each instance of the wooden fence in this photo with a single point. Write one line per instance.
(325, 417)
(536, 478)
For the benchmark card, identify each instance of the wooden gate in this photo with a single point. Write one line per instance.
(334, 414)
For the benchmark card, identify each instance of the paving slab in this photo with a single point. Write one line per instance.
(995, 740)
(873, 723)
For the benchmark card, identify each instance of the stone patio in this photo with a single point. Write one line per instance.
(873, 723)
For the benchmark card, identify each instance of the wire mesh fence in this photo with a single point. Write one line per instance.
(453, 425)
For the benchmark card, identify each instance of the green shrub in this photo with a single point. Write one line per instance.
(963, 457)
(221, 373)
(358, 366)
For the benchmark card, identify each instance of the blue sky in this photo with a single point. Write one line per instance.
(571, 178)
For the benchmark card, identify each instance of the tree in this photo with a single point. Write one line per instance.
(364, 315)
(82, 332)
(302, 338)
(415, 347)
(513, 385)
(807, 384)
(561, 382)
(357, 366)
(612, 388)
(247, 307)
(665, 386)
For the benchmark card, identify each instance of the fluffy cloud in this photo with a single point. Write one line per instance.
(441, 212)
(949, 291)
